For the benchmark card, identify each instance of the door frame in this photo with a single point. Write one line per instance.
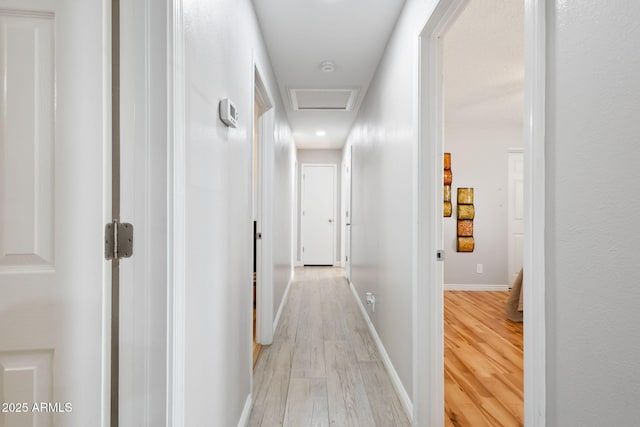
(144, 142)
(510, 196)
(176, 215)
(346, 209)
(428, 332)
(302, 200)
(264, 255)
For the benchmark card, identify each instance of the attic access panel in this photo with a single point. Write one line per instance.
(322, 99)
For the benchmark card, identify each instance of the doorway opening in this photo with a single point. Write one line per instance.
(483, 90)
(257, 112)
(261, 258)
(428, 286)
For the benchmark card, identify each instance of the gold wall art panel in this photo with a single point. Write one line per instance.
(465, 228)
(447, 209)
(465, 196)
(465, 244)
(447, 178)
(466, 212)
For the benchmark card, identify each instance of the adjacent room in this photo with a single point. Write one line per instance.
(483, 78)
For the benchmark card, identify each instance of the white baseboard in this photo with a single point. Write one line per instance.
(338, 264)
(246, 411)
(299, 264)
(276, 320)
(395, 379)
(475, 287)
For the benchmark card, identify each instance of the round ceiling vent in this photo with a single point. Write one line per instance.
(328, 66)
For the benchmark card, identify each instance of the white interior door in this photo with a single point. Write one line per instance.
(318, 214)
(515, 213)
(54, 200)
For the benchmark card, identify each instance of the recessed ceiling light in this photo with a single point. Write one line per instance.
(321, 133)
(328, 66)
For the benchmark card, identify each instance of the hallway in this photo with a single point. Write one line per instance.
(323, 367)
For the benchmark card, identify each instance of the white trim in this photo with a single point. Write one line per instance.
(534, 205)
(246, 412)
(515, 226)
(264, 253)
(176, 223)
(299, 263)
(395, 378)
(282, 303)
(475, 287)
(428, 323)
(343, 218)
(143, 58)
(107, 201)
(294, 210)
(335, 203)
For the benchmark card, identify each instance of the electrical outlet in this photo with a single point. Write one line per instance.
(371, 300)
(480, 268)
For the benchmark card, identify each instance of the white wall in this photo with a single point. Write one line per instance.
(329, 157)
(383, 194)
(221, 38)
(593, 347)
(593, 105)
(483, 64)
(283, 208)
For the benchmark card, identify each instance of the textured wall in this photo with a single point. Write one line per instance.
(593, 104)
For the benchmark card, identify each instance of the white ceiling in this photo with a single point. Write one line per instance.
(483, 57)
(301, 34)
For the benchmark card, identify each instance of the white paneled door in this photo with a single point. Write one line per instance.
(515, 214)
(318, 214)
(53, 205)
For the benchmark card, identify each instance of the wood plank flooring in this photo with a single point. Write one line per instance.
(256, 347)
(483, 361)
(323, 368)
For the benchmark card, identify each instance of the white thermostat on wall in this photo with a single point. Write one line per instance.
(228, 113)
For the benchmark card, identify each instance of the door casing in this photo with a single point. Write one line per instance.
(428, 332)
(515, 210)
(347, 214)
(144, 139)
(264, 256)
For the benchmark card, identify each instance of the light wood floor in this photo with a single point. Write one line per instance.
(256, 347)
(323, 368)
(483, 361)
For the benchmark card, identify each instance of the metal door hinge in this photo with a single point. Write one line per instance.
(258, 236)
(118, 240)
